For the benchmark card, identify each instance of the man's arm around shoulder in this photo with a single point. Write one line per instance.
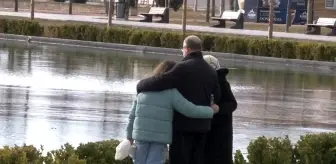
(161, 82)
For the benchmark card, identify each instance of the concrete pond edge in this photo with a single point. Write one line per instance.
(169, 51)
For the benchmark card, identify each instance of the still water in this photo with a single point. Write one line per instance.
(51, 95)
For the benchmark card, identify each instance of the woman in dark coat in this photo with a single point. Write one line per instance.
(219, 140)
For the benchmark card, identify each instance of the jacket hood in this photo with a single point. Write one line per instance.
(222, 72)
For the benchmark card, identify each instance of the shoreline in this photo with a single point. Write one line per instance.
(142, 51)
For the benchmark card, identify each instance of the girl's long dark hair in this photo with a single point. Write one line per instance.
(163, 67)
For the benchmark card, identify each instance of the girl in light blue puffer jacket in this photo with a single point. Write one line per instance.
(150, 120)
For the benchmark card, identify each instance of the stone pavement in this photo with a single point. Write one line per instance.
(133, 22)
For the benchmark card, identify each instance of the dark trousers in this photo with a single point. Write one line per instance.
(187, 148)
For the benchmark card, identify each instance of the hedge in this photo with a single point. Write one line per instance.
(310, 149)
(321, 51)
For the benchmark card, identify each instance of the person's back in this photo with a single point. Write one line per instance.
(153, 115)
(195, 86)
(220, 138)
(150, 121)
(196, 81)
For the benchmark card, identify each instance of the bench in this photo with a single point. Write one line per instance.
(315, 28)
(235, 16)
(158, 12)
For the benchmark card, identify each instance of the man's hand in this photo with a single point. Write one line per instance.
(215, 108)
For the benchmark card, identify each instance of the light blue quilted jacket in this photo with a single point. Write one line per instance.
(152, 115)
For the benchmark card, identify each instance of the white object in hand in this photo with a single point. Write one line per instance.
(123, 150)
(132, 151)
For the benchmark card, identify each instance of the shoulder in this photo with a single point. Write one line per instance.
(181, 65)
(154, 95)
(171, 93)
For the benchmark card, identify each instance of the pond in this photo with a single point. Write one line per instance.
(51, 95)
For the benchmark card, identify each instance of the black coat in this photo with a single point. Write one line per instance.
(219, 142)
(196, 80)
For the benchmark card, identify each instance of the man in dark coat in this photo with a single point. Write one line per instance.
(219, 140)
(196, 80)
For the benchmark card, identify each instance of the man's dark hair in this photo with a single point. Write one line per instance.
(193, 42)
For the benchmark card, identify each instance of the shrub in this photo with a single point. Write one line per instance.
(304, 51)
(3, 26)
(211, 42)
(275, 49)
(135, 38)
(270, 151)
(151, 39)
(20, 155)
(64, 155)
(316, 149)
(237, 45)
(21, 27)
(171, 40)
(208, 42)
(287, 49)
(310, 149)
(239, 158)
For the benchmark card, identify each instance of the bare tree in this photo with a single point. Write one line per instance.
(222, 6)
(232, 4)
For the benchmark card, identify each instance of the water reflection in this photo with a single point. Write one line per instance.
(53, 95)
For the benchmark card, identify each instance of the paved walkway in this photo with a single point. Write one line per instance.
(133, 22)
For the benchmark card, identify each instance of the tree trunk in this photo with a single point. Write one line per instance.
(213, 6)
(232, 4)
(271, 19)
(222, 6)
(207, 19)
(195, 5)
(184, 19)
